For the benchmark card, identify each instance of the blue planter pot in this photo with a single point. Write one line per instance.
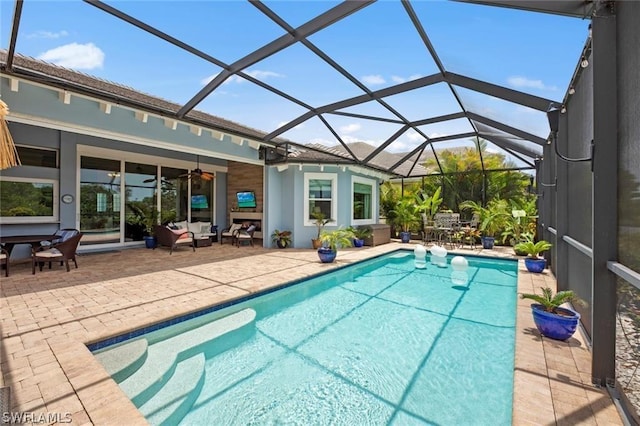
(150, 241)
(555, 326)
(405, 237)
(357, 242)
(535, 265)
(326, 255)
(487, 242)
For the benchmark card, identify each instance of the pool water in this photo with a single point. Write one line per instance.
(376, 343)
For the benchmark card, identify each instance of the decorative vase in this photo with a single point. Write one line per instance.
(487, 242)
(555, 326)
(405, 237)
(326, 254)
(535, 265)
(150, 241)
(357, 242)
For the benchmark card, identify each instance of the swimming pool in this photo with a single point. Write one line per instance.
(379, 342)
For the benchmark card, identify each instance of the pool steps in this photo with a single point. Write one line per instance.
(124, 360)
(178, 395)
(164, 379)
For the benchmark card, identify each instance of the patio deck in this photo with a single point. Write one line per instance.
(48, 318)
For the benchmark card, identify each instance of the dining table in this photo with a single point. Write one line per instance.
(34, 240)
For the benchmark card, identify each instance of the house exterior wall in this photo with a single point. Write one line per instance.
(286, 200)
(39, 118)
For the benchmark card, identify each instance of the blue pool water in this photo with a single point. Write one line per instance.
(376, 343)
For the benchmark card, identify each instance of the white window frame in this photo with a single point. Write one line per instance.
(34, 219)
(333, 177)
(374, 200)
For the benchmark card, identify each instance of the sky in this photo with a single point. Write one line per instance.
(530, 52)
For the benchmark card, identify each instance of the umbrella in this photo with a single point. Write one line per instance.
(8, 154)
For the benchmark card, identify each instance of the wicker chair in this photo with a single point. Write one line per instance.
(63, 251)
(244, 235)
(173, 238)
(4, 260)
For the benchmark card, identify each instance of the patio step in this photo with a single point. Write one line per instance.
(177, 396)
(163, 356)
(124, 360)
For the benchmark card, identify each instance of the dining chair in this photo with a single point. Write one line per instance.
(63, 252)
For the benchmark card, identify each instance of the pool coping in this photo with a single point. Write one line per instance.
(552, 383)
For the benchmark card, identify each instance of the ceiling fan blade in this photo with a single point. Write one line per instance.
(207, 176)
(149, 180)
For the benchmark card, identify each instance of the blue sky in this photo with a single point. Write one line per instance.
(532, 52)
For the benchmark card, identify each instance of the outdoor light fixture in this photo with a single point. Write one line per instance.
(553, 115)
(584, 63)
(572, 90)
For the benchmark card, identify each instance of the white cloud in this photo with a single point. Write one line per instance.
(397, 79)
(298, 127)
(373, 79)
(414, 136)
(437, 135)
(48, 34)
(77, 56)
(350, 128)
(259, 74)
(528, 83)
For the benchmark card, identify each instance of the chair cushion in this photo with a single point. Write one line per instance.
(49, 253)
(180, 233)
(3, 256)
(182, 224)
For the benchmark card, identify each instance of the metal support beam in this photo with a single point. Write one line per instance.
(605, 197)
(562, 203)
(507, 144)
(17, 13)
(520, 98)
(574, 8)
(507, 129)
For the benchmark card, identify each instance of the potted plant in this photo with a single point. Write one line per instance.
(533, 262)
(282, 239)
(332, 241)
(406, 216)
(491, 219)
(360, 233)
(320, 220)
(551, 320)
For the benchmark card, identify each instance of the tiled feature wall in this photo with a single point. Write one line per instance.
(244, 177)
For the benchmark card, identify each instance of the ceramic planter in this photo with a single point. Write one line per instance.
(405, 237)
(282, 243)
(535, 265)
(487, 242)
(326, 255)
(555, 326)
(357, 242)
(150, 241)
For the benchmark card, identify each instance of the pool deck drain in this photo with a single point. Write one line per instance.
(48, 318)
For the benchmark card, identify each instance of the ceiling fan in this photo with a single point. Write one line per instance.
(197, 173)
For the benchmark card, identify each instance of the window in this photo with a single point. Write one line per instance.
(24, 200)
(39, 157)
(362, 200)
(320, 191)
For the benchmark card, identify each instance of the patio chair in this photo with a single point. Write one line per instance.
(63, 251)
(4, 260)
(173, 238)
(245, 235)
(230, 233)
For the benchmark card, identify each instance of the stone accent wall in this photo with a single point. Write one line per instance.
(244, 177)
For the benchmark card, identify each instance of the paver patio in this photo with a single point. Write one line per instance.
(48, 318)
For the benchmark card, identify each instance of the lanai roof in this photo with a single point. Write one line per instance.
(456, 97)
